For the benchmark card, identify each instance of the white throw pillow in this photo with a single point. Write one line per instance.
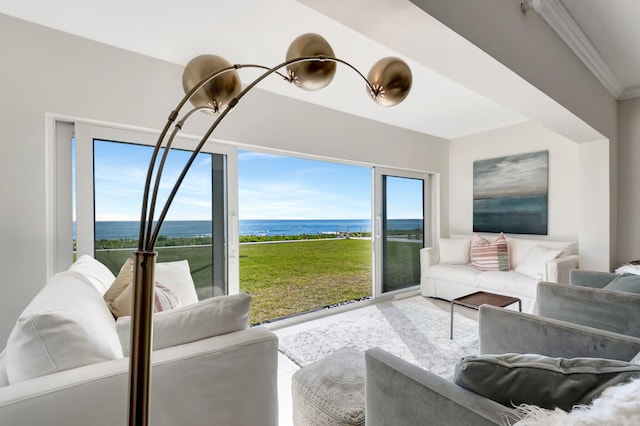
(98, 274)
(533, 263)
(177, 276)
(454, 251)
(208, 318)
(67, 325)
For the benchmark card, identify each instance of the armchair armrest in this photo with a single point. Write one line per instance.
(614, 311)
(507, 331)
(233, 376)
(558, 270)
(595, 279)
(396, 389)
(428, 256)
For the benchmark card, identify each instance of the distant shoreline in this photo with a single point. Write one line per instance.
(123, 230)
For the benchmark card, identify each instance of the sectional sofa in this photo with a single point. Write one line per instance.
(447, 270)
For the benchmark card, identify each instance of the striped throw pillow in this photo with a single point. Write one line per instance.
(490, 256)
(164, 299)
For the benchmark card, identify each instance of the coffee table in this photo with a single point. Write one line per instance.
(474, 300)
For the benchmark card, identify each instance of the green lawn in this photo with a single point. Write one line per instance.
(292, 277)
(289, 278)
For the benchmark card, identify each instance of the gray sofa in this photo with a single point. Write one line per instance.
(586, 302)
(398, 392)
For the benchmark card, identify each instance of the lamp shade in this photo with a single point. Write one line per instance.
(218, 92)
(315, 74)
(390, 80)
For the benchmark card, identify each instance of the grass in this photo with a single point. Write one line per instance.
(287, 278)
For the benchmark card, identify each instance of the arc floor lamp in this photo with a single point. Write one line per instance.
(213, 86)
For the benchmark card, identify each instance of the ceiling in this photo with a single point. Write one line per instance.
(605, 35)
(260, 31)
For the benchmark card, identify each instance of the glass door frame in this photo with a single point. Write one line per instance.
(377, 237)
(85, 133)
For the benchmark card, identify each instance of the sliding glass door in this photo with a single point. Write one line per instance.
(400, 206)
(110, 168)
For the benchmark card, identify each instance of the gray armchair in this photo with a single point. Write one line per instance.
(398, 392)
(585, 302)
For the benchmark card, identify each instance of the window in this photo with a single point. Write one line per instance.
(305, 233)
(358, 229)
(111, 167)
(401, 204)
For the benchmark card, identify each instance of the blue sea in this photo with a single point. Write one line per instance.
(112, 230)
(513, 215)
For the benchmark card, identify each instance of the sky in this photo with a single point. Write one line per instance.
(270, 187)
(513, 175)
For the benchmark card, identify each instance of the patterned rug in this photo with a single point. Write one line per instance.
(415, 333)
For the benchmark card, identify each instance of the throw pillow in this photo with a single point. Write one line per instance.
(175, 276)
(533, 263)
(514, 379)
(121, 282)
(490, 256)
(67, 325)
(164, 299)
(94, 271)
(211, 317)
(629, 283)
(454, 251)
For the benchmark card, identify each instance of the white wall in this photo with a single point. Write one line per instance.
(564, 178)
(46, 71)
(519, 62)
(628, 170)
(528, 46)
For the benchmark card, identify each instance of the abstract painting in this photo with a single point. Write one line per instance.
(510, 194)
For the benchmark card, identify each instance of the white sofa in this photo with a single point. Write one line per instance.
(64, 363)
(446, 271)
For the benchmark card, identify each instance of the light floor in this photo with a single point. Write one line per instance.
(286, 367)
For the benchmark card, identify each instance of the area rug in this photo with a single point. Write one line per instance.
(415, 333)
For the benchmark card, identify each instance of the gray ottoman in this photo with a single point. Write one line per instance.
(330, 391)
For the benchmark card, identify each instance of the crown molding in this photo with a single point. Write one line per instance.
(556, 15)
(630, 92)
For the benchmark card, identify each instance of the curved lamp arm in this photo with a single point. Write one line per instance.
(310, 64)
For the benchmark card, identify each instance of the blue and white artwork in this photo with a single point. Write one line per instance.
(510, 194)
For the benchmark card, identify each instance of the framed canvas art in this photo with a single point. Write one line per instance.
(510, 194)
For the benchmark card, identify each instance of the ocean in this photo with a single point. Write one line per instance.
(114, 230)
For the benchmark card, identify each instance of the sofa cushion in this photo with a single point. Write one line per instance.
(454, 251)
(490, 256)
(99, 275)
(463, 274)
(534, 262)
(176, 276)
(66, 325)
(629, 283)
(514, 379)
(509, 282)
(208, 318)
(519, 248)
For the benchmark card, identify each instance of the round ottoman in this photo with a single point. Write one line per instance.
(330, 391)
